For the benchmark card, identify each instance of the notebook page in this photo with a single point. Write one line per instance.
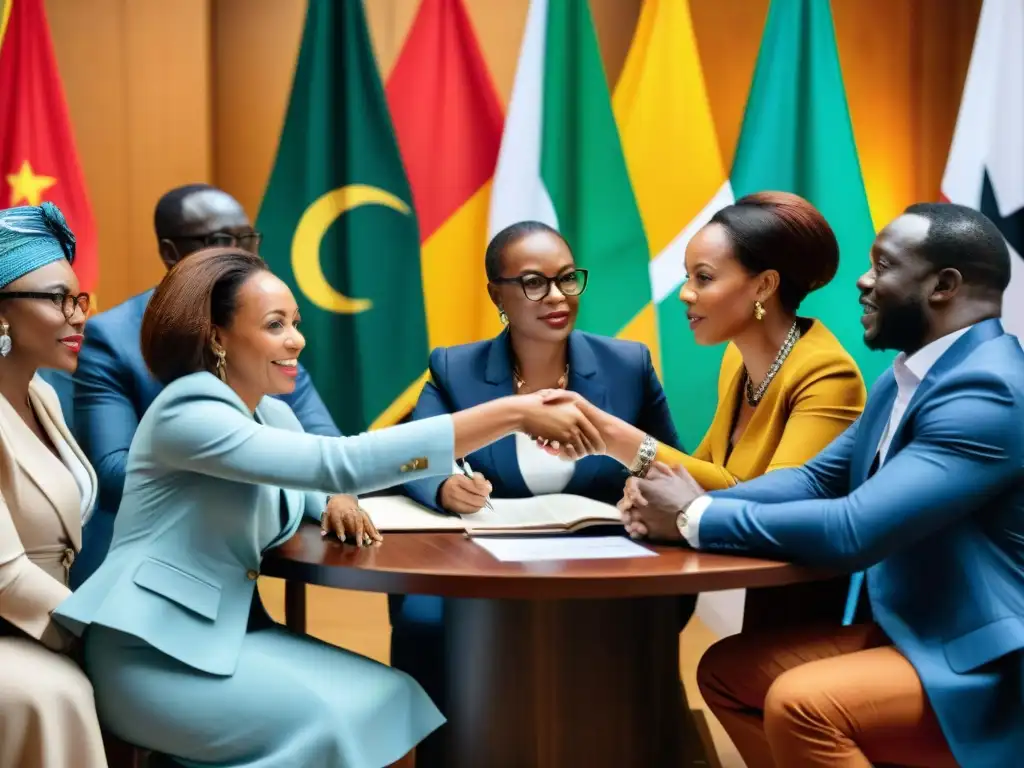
(554, 510)
(399, 513)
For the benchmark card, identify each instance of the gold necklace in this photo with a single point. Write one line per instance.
(520, 382)
(754, 394)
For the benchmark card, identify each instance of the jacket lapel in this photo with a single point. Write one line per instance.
(498, 381)
(584, 380)
(874, 419)
(725, 418)
(982, 332)
(286, 503)
(55, 423)
(37, 462)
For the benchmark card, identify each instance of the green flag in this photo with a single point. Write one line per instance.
(797, 137)
(561, 162)
(339, 228)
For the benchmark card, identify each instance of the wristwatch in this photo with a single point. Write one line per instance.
(683, 523)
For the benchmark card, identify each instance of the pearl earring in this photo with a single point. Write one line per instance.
(5, 339)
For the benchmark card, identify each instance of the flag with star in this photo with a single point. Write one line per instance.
(38, 160)
(985, 169)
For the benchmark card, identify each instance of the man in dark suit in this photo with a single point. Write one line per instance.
(112, 386)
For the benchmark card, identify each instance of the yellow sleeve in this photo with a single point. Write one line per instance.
(711, 476)
(829, 401)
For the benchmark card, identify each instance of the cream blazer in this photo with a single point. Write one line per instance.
(41, 511)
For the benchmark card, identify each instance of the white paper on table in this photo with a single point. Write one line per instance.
(524, 550)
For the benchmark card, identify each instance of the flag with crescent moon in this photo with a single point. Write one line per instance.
(339, 227)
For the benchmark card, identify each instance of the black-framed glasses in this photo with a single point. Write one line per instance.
(67, 302)
(536, 286)
(247, 241)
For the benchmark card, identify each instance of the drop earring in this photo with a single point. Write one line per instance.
(5, 339)
(502, 316)
(221, 364)
(759, 311)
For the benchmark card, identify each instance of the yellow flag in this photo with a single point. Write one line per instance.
(668, 137)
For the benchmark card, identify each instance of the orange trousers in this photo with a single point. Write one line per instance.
(834, 698)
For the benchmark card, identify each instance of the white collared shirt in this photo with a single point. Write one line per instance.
(909, 372)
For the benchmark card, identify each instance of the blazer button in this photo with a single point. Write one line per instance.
(252, 575)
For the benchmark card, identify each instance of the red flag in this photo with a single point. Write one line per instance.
(38, 160)
(448, 122)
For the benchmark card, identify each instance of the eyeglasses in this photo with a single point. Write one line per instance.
(536, 286)
(67, 302)
(247, 241)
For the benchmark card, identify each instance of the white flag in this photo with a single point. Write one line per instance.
(985, 169)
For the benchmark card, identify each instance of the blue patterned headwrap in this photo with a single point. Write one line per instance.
(31, 237)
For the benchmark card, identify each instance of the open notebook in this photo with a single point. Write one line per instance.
(556, 513)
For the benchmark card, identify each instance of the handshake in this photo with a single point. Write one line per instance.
(564, 423)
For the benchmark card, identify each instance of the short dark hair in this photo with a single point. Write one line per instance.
(511, 235)
(966, 240)
(167, 215)
(784, 232)
(197, 294)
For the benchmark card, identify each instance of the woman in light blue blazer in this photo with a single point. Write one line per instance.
(182, 656)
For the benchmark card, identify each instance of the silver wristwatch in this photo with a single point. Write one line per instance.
(683, 524)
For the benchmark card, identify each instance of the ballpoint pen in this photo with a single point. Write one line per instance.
(468, 472)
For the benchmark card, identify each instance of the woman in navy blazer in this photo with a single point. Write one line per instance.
(535, 285)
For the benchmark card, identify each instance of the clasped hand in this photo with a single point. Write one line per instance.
(564, 425)
(650, 505)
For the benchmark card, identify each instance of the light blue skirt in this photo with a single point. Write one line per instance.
(292, 701)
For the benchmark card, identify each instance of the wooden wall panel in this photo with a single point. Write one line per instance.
(255, 43)
(164, 93)
(87, 42)
(876, 71)
(137, 78)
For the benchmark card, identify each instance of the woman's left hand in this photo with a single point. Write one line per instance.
(349, 522)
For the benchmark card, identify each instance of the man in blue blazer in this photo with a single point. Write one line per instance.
(925, 492)
(113, 387)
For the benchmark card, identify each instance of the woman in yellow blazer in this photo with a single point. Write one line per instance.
(47, 711)
(787, 387)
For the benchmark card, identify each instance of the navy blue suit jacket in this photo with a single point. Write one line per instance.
(939, 527)
(615, 375)
(112, 390)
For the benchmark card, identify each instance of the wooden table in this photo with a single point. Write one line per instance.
(555, 664)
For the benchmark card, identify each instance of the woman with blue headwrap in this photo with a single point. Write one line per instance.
(47, 488)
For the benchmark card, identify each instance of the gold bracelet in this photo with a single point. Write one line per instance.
(644, 457)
